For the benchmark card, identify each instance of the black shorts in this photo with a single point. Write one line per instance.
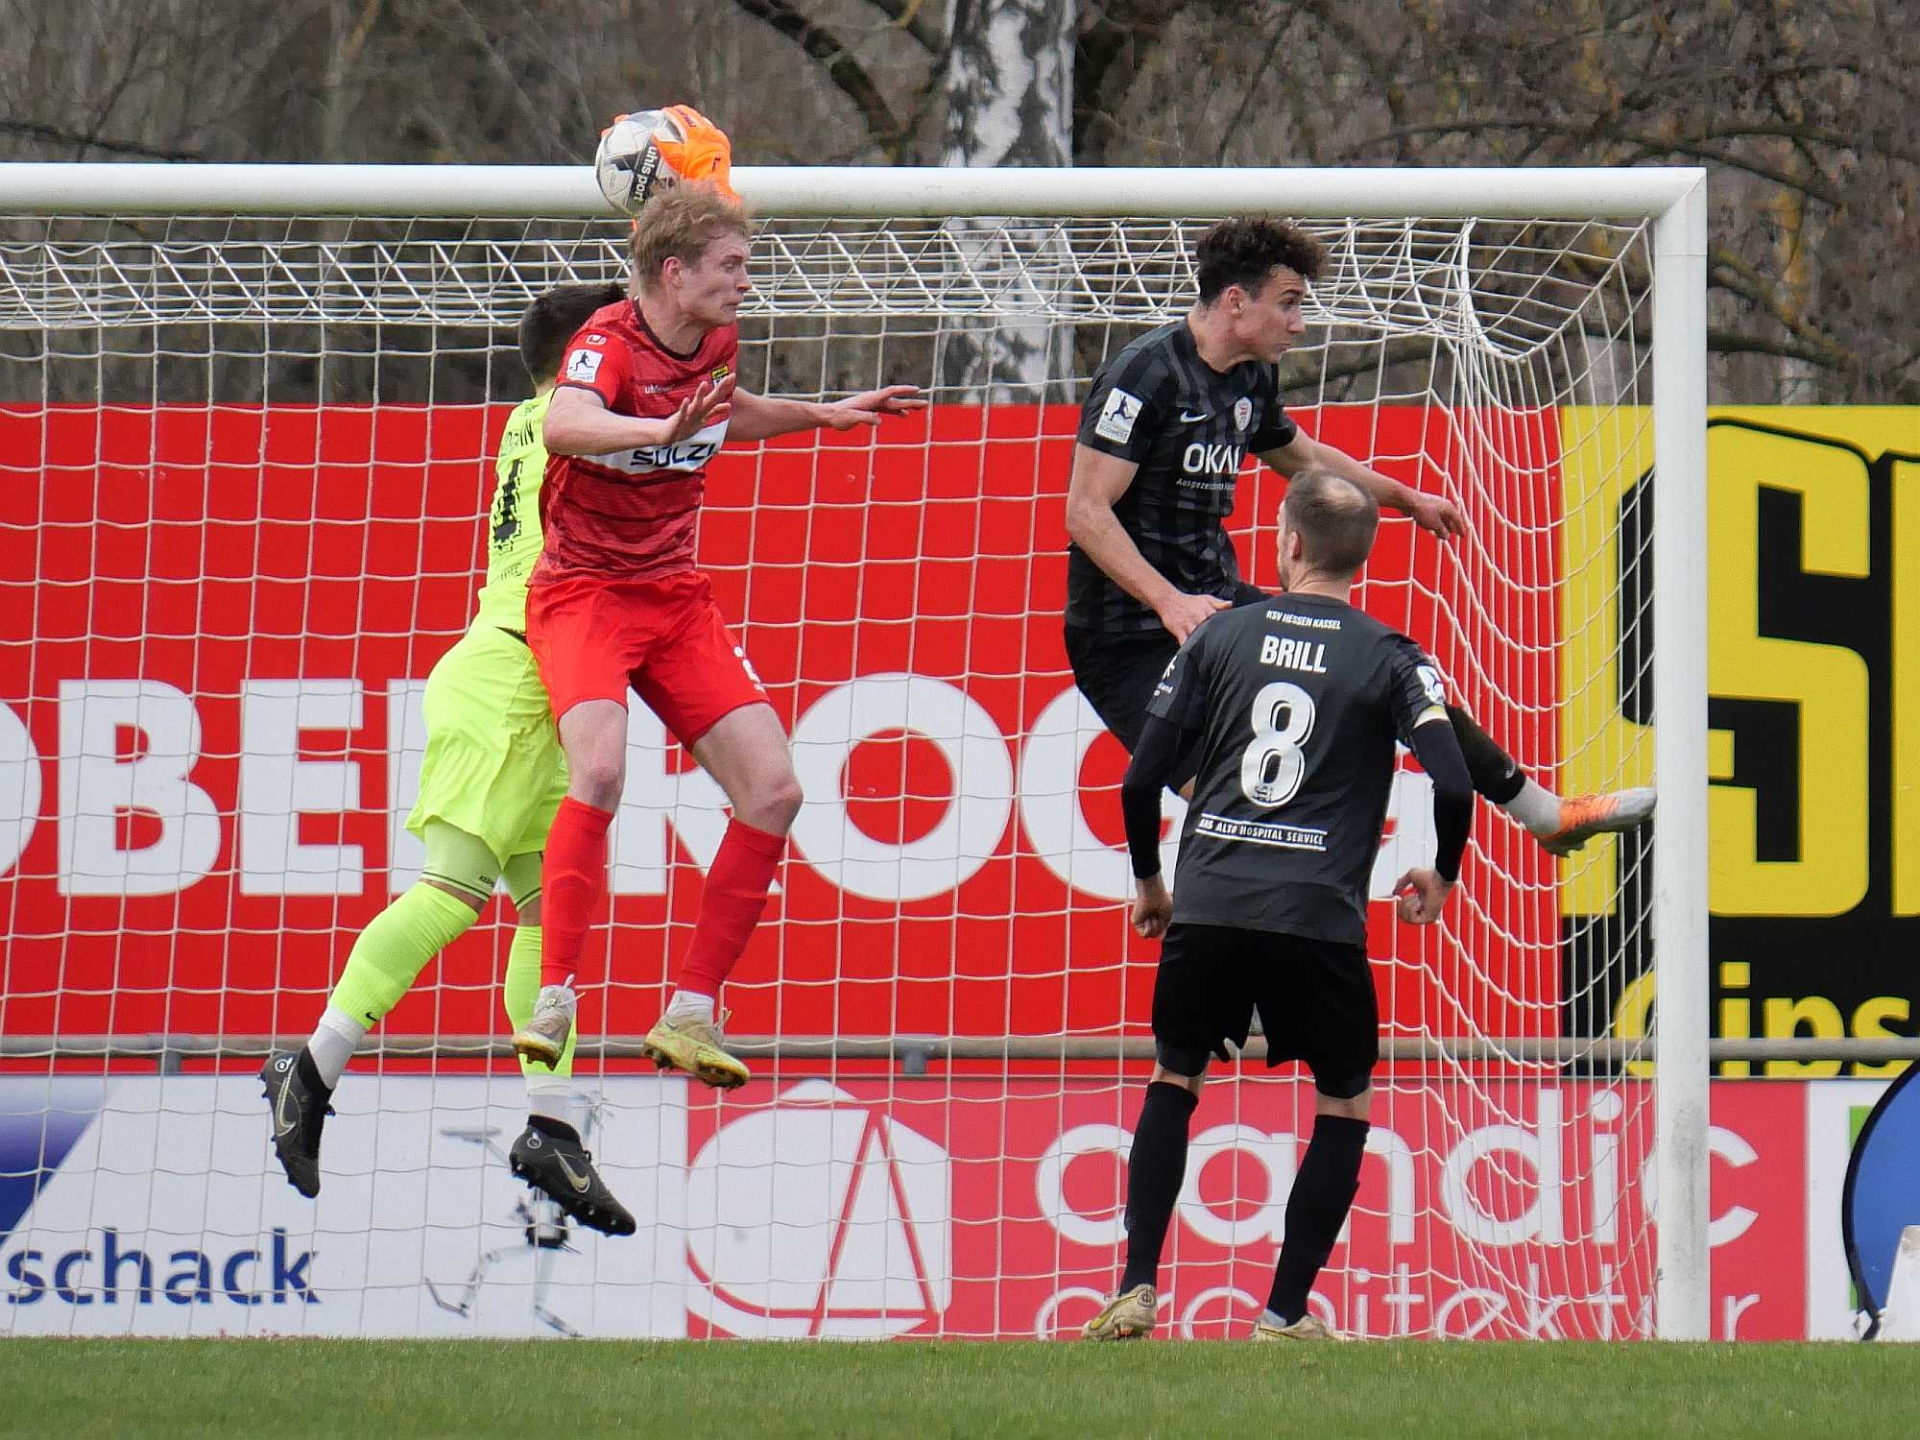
(1315, 1000)
(1117, 672)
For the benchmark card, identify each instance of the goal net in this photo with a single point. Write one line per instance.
(247, 460)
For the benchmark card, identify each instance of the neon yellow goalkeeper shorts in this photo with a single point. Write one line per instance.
(493, 766)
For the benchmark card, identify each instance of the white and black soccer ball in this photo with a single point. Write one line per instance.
(648, 151)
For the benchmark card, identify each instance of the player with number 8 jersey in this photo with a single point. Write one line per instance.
(1291, 708)
(647, 395)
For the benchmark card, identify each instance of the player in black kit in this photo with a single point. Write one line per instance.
(1291, 708)
(1162, 436)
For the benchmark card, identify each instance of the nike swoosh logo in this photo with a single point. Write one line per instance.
(282, 1126)
(579, 1182)
(1186, 419)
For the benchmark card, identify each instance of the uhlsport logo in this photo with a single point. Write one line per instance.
(818, 1215)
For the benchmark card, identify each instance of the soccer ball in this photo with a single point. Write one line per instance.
(649, 151)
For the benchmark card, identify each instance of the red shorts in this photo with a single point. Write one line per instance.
(662, 636)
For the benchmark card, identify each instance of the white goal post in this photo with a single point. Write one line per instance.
(1392, 281)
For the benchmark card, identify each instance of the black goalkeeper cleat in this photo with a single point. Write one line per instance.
(298, 1103)
(549, 1157)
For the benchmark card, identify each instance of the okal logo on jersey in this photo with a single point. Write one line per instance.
(817, 1215)
(1223, 460)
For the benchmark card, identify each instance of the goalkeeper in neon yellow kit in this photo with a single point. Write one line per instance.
(492, 778)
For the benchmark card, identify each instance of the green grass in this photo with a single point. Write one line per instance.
(378, 1390)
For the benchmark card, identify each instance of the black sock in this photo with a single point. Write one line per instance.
(1323, 1192)
(1154, 1171)
(310, 1073)
(1496, 774)
(553, 1129)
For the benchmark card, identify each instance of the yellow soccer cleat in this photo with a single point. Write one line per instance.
(686, 1042)
(1307, 1327)
(544, 1037)
(1127, 1316)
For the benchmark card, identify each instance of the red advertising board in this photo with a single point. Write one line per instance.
(892, 1206)
(214, 618)
(984, 1209)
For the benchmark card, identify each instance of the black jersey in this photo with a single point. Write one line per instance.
(1187, 426)
(1298, 702)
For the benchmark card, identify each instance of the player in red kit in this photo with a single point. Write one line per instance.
(646, 396)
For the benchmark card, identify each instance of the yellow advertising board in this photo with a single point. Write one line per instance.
(1813, 679)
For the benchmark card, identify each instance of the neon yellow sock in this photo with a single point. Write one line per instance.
(522, 989)
(393, 950)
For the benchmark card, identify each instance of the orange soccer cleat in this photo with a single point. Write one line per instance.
(1584, 816)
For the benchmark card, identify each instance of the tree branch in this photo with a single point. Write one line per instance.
(906, 15)
(1108, 55)
(1253, 83)
(1694, 146)
(841, 66)
(1736, 277)
(57, 135)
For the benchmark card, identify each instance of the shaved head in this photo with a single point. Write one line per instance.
(1335, 520)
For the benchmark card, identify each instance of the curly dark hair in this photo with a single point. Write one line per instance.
(1246, 251)
(554, 318)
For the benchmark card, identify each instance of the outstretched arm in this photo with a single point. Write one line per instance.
(761, 417)
(1433, 513)
(579, 423)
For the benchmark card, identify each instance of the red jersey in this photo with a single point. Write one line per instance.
(633, 512)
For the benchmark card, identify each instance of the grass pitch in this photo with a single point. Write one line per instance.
(386, 1390)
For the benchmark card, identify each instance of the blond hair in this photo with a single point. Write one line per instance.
(680, 223)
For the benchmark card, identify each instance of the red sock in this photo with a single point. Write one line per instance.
(731, 906)
(573, 882)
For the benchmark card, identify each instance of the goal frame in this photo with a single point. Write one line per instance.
(1673, 199)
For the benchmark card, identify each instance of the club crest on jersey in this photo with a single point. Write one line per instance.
(1117, 417)
(1242, 412)
(720, 372)
(583, 365)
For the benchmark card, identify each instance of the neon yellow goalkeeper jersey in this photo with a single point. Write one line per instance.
(513, 523)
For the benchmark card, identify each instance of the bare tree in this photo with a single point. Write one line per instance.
(1009, 89)
(1800, 112)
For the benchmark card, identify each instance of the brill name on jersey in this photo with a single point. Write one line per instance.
(1291, 654)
